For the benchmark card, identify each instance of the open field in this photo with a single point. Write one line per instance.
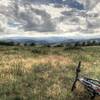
(43, 73)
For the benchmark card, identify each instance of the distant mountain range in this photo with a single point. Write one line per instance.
(51, 39)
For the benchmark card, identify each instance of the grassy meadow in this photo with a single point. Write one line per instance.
(44, 73)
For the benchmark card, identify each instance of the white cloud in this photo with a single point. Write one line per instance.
(25, 16)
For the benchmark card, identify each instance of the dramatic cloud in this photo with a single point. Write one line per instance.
(36, 20)
(49, 15)
(28, 17)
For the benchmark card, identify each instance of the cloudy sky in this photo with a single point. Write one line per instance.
(49, 16)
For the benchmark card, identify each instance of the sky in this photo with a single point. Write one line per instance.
(49, 16)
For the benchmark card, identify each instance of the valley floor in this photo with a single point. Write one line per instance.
(44, 73)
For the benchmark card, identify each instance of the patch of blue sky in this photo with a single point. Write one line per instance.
(70, 3)
(13, 24)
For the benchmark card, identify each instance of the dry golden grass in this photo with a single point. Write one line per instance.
(54, 60)
(36, 73)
